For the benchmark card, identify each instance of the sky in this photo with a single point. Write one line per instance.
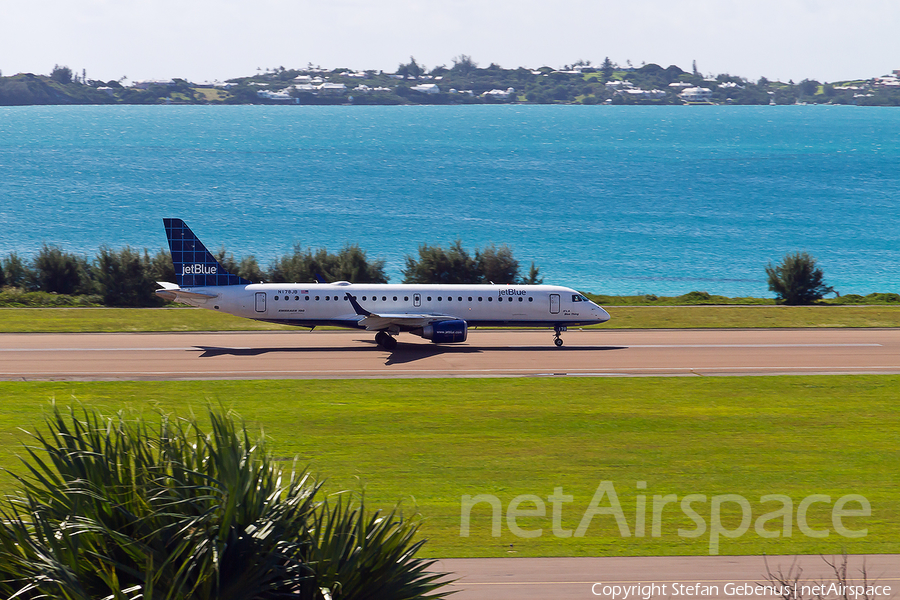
(207, 40)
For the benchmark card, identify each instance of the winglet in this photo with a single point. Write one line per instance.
(359, 309)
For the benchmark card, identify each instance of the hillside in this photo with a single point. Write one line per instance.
(464, 83)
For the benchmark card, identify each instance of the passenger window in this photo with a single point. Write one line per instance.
(429, 298)
(439, 298)
(383, 298)
(521, 299)
(460, 298)
(479, 298)
(490, 298)
(449, 298)
(327, 298)
(296, 298)
(364, 297)
(530, 299)
(276, 297)
(470, 298)
(307, 298)
(395, 298)
(406, 298)
(510, 299)
(317, 298)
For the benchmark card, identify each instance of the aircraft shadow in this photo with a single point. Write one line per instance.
(404, 353)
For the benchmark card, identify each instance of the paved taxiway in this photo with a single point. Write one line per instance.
(687, 577)
(339, 354)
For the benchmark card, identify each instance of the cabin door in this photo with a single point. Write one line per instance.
(260, 302)
(554, 304)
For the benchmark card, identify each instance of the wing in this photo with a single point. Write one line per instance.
(374, 321)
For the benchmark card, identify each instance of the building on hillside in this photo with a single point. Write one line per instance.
(426, 88)
(696, 94)
(499, 94)
(332, 89)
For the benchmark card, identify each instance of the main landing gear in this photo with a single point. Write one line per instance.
(557, 339)
(385, 340)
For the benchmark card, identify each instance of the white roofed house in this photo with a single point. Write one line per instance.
(426, 88)
(499, 94)
(696, 94)
(332, 89)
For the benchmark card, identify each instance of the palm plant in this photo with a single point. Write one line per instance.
(117, 509)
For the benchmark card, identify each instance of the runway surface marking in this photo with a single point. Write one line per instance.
(496, 353)
(196, 348)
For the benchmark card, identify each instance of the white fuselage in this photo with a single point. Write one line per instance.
(317, 304)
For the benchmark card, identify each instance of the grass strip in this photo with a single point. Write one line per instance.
(429, 442)
(82, 320)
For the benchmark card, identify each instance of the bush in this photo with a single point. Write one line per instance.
(125, 278)
(117, 508)
(436, 265)
(797, 280)
(59, 272)
(349, 264)
(491, 265)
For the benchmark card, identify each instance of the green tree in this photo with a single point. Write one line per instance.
(797, 280)
(436, 265)
(497, 265)
(15, 272)
(61, 74)
(121, 508)
(350, 264)
(607, 68)
(534, 277)
(161, 267)
(463, 65)
(125, 278)
(59, 272)
(248, 268)
(411, 69)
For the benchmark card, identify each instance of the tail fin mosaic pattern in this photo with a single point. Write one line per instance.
(194, 265)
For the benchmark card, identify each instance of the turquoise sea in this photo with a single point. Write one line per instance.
(616, 200)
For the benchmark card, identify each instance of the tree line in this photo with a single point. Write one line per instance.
(127, 277)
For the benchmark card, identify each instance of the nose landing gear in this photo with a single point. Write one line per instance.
(385, 340)
(557, 339)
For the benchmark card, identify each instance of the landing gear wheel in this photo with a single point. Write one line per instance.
(557, 339)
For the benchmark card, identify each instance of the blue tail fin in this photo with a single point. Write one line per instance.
(194, 265)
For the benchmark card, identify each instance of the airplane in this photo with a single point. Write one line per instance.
(440, 313)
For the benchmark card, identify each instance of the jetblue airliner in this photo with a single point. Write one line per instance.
(440, 313)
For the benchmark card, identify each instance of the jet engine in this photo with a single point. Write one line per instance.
(446, 332)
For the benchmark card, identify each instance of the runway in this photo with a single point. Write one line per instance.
(631, 578)
(491, 353)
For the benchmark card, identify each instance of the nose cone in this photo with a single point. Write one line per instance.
(601, 314)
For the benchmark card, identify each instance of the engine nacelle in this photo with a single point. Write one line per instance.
(446, 332)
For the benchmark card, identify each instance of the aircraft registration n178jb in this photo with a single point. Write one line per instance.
(440, 313)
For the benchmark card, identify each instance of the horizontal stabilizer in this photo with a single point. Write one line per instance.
(171, 291)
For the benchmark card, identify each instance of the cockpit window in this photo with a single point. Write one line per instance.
(576, 298)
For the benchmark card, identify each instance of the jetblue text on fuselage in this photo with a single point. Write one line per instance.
(512, 292)
(198, 269)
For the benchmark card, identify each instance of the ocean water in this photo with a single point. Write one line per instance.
(616, 200)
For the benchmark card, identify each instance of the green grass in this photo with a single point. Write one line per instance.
(25, 320)
(428, 442)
